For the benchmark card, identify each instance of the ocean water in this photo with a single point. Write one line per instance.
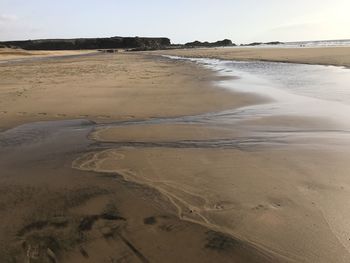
(320, 43)
(304, 44)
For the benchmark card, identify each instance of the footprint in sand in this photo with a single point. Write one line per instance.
(42, 114)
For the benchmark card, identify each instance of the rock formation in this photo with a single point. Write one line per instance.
(261, 43)
(222, 43)
(140, 43)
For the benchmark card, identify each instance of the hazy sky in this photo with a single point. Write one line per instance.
(181, 20)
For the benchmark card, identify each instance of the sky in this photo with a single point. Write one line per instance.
(242, 21)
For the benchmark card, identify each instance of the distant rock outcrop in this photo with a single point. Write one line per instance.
(222, 43)
(261, 43)
(274, 43)
(252, 44)
(139, 43)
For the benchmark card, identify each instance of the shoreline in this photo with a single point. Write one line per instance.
(223, 53)
(224, 174)
(327, 56)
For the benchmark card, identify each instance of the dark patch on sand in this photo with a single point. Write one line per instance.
(111, 213)
(87, 222)
(38, 225)
(56, 222)
(220, 242)
(150, 220)
(83, 252)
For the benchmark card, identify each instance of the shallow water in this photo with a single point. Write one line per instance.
(294, 89)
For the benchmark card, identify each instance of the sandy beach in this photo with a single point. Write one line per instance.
(135, 157)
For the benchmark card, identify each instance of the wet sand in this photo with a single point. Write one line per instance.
(281, 194)
(51, 212)
(65, 215)
(158, 175)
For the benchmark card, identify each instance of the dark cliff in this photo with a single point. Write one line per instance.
(144, 43)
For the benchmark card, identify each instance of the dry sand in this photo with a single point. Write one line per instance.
(11, 54)
(108, 87)
(153, 198)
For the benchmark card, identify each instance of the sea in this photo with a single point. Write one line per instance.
(294, 89)
(315, 43)
(320, 43)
